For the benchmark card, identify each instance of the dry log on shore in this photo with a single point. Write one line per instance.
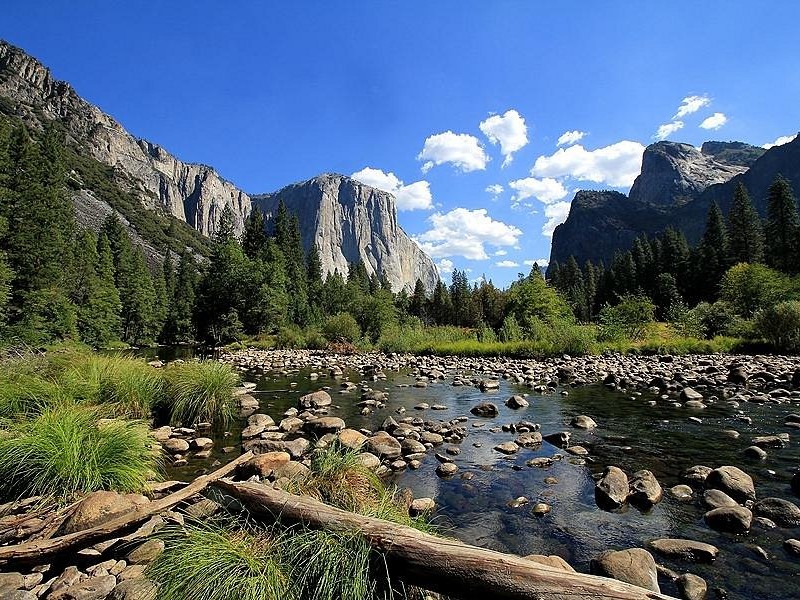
(441, 565)
(38, 551)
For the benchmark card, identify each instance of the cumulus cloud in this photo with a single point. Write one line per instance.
(462, 150)
(506, 263)
(546, 190)
(542, 262)
(715, 121)
(667, 129)
(570, 137)
(691, 104)
(508, 130)
(414, 196)
(445, 266)
(616, 165)
(495, 190)
(464, 232)
(556, 214)
(784, 139)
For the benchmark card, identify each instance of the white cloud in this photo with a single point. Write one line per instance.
(570, 137)
(506, 263)
(547, 190)
(464, 151)
(691, 104)
(445, 266)
(495, 190)
(556, 214)
(542, 262)
(667, 129)
(464, 232)
(414, 196)
(715, 121)
(508, 130)
(501, 253)
(784, 139)
(616, 165)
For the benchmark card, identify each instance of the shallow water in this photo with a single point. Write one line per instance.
(631, 434)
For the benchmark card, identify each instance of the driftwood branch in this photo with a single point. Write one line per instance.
(441, 565)
(42, 550)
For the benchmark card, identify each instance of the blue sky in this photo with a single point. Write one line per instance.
(457, 107)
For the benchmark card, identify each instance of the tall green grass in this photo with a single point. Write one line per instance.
(200, 391)
(213, 562)
(68, 450)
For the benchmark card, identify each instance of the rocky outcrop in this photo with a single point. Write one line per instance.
(675, 188)
(674, 173)
(349, 221)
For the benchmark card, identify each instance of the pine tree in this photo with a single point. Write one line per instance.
(745, 235)
(590, 281)
(254, 240)
(138, 296)
(571, 286)
(179, 324)
(712, 254)
(460, 299)
(93, 292)
(110, 316)
(225, 226)
(441, 305)
(168, 270)
(782, 227)
(419, 302)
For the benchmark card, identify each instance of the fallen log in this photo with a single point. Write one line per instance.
(441, 565)
(39, 551)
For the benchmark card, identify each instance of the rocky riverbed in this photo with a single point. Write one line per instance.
(673, 473)
(576, 457)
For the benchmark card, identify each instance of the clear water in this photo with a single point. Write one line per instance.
(631, 434)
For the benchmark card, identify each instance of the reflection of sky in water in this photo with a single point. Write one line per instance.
(631, 435)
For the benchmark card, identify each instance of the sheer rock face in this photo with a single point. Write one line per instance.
(191, 192)
(347, 220)
(674, 173)
(350, 221)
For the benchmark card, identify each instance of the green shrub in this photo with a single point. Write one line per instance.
(200, 391)
(215, 563)
(749, 288)
(68, 450)
(630, 318)
(779, 325)
(342, 328)
(289, 337)
(314, 340)
(485, 334)
(510, 330)
(714, 319)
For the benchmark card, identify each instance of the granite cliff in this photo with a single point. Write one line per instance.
(196, 194)
(675, 188)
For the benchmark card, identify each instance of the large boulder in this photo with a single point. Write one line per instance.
(733, 481)
(98, 508)
(263, 465)
(317, 399)
(350, 438)
(686, 550)
(383, 445)
(692, 587)
(730, 519)
(635, 566)
(516, 402)
(94, 588)
(485, 409)
(583, 422)
(645, 491)
(611, 491)
(322, 425)
(783, 512)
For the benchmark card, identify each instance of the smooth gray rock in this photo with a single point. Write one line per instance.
(611, 492)
(733, 481)
(635, 566)
(782, 512)
(731, 519)
(686, 550)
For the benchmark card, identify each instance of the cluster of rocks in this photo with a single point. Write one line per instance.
(112, 569)
(182, 443)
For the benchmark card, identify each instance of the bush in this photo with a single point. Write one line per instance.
(69, 450)
(714, 319)
(341, 328)
(749, 288)
(485, 334)
(510, 330)
(779, 325)
(289, 338)
(200, 391)
(630, 318)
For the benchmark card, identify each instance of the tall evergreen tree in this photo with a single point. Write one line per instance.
(745, 235)
(94, 294)
(419, 302)
(225, 231)
(460, 299)
(782, 227)
(179, 324)
(441, 305)
(572, 287)
(138, 296)
(254, 240)
(712, 255)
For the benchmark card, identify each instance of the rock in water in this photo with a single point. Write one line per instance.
(692, 587)
(686, 550)
(645, 491)
(611, 491)
(316, 399)
(731, 519)
(733, 481)
(485, 409)
(783, 512)
(635, 566)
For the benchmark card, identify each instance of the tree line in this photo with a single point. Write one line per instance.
(672, 275)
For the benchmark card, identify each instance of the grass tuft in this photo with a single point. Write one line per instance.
(68, 450)
(200, 391)
(212, 562)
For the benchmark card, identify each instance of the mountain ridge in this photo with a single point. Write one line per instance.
(194, 193)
